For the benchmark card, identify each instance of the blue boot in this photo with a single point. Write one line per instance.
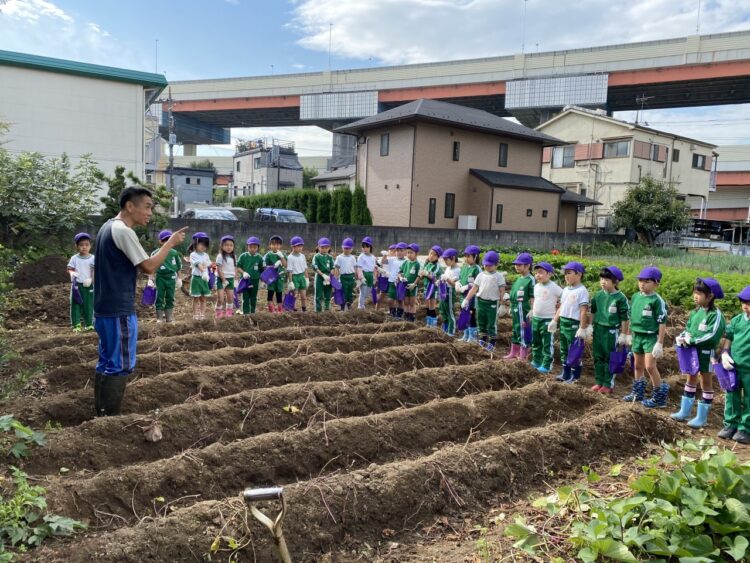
(658, 398)
(701, 418)
(566, 374)
(472, 334)
(637, 393)
(445, 328)
(686, 407)
(575, 374)
(542, 369)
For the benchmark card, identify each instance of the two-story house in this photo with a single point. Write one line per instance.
(260, 167)
(602, 157)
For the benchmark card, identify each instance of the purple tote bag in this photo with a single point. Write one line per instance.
(429, 292)
(575, 353)
(463, 319)
(149, 296)
(289, 301)
(76, 294)
(727, 378)
(383, 284)
(338, 296)
(269, 275)
(335, 283)
(527, 336)
(618, 358)
(244, 285)
(443, 291)
(400, 291)
(687, 356)
(211, 279)
(374, 296)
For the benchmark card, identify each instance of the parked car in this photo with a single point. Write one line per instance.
(216, 213)
(279, 215)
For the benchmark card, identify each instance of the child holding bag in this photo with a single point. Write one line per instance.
(572, 316)
(521, 303)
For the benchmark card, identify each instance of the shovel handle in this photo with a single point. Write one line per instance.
(268, 493)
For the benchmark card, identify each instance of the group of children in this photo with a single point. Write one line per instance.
(539, 308)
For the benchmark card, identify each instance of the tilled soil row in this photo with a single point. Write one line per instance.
(117, 441)
(398, 496)
(219, 470)
(157, 363)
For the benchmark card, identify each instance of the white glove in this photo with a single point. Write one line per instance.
(552, 327)
(412, 285)
(358, 283)
(178, 282)
(277, 264)
(149, 283)
(459, 287)
(658, 351)
(73, 275)
(629, 340)
(382, 272)
(581, 333)
(245, 275)
(727, 361)
(204, 275)
(87, 282)
(290, 286)
(679, 340)
(589, 332)
(622, 339)
(502, 310)
(384, 253)
(279, 254)
(688, 339)
(465, 303)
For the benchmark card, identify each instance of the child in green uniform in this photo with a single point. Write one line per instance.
(611, 318)
(322, 263)
(546, 299)
(521, 303)
(431, 272)
(167, 280)
(572, 316)
(410, 274)
(296, 266)
(469, 271)
(81, 270)
(704, 330)
(489, 288)
(200, 264)
(249, 266)
(345, 267)
(226, 266)
(450, 277)
(275, 258)
(736, 356)
(648, 321)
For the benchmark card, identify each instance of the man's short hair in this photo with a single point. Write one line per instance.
(133, 193)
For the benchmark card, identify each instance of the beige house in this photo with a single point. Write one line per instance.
(602, 157)
(434, 164)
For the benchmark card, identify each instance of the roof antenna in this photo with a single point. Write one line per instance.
(641, 100)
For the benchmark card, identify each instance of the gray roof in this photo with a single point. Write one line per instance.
(338, 174)
(450, 114)
(520, 181)
(578, 199)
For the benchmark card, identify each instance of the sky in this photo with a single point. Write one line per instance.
(194, 39)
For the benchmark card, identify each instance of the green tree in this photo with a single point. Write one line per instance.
(651, 207)
(324, 208)
(307, 175)
(205, 164)
(343, 206)
(360, 212)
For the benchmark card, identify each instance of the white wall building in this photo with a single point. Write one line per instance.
(345, 177)
(56, 106)
(262, 168)
(604, 156)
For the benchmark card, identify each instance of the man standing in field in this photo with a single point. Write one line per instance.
(119, 255)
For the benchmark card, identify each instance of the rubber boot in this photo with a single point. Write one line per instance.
(575, 374)
(701, 417)
(523, 353)
(271, 308)
(169, 314)
(159, 315)
(98, 393)
(686, 407)
(229, 311)
(638, 392)
(445, 328)
(514, 352)
(658, 398)
(566, 374)
(482, 341)
(490, 346)
(218, 313)
(472, 334)
(465, 335)
(111, 394)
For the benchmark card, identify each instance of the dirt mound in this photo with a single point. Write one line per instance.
(49, 304)
(49, 270)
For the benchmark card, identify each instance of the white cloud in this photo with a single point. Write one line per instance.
(33, 10)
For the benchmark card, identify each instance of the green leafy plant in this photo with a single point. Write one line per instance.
(23, 437)
(689, 505)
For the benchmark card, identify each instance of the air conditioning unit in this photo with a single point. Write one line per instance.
(467, 222)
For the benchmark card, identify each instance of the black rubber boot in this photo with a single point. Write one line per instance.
(112, 392)
(97, 392)
(726, 433)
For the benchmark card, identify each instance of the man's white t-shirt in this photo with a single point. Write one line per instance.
(489, 285)
(83, 265)
(127, 241)
(571, 300)
(546, 296)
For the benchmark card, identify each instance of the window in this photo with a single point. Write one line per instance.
(502, 161)
(198, 181)
(450, 205)
(384, 142)
(456, 150)
(256, 163)
(654, 152)
(433, 207)
(499, 213)
(581, 208)
(544, 213)
(563, 157)
(699, 161)
(616, 149)
(529, 213)
(187, 180)
(237, 166)
(675, 155)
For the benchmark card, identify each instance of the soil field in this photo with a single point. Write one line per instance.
(377, 430)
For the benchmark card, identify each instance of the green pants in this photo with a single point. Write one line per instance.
(322, 295)
(279, 285)
(517, 317)
(447, 311)
(165, 288)
(568, 329)
(737, 403)
(542, 343)
(85, 311)
(250, 297)
(347, 285)
(487, 317)
(605, 341)
(369, 278)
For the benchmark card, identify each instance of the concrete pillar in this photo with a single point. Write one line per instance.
(189, 150)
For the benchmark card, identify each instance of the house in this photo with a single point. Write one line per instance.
(602, 157)
(345, 177)
(192, 185)
(261, 167)
(731, 200)
(435, 164)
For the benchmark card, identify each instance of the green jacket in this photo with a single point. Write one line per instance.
(171, 266)
(521, 293)
(271, 258)
(251, 263)
(610, 309)
(322, 262)
(706, 328)
(647, 312)
(738, 332)
(410, 270)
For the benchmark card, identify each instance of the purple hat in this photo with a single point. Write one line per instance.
(393, 247)
(491, 258)
(227, 237)
(296, 241)
(546, 266)
(414, 246)
(253, 240)
(348, 243)
(744, 295)
(401, 246)
(84, 236)
(165, 234)
(438, 250)
(276, 237)
(615, 271)
(199, 235)
(472, 249)
(650, 273)
(714, 286)
(324, 242)
(575, 266)
(523, 259)
(367, 240)
(450, 253)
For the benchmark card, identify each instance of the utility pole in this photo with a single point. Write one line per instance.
(641, 100)
(523, 28)
(172, 141)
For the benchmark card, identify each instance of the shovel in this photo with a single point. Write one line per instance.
(253, 496)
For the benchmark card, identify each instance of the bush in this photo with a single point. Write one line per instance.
(325, 204)
(360, 212)
(342, 206)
